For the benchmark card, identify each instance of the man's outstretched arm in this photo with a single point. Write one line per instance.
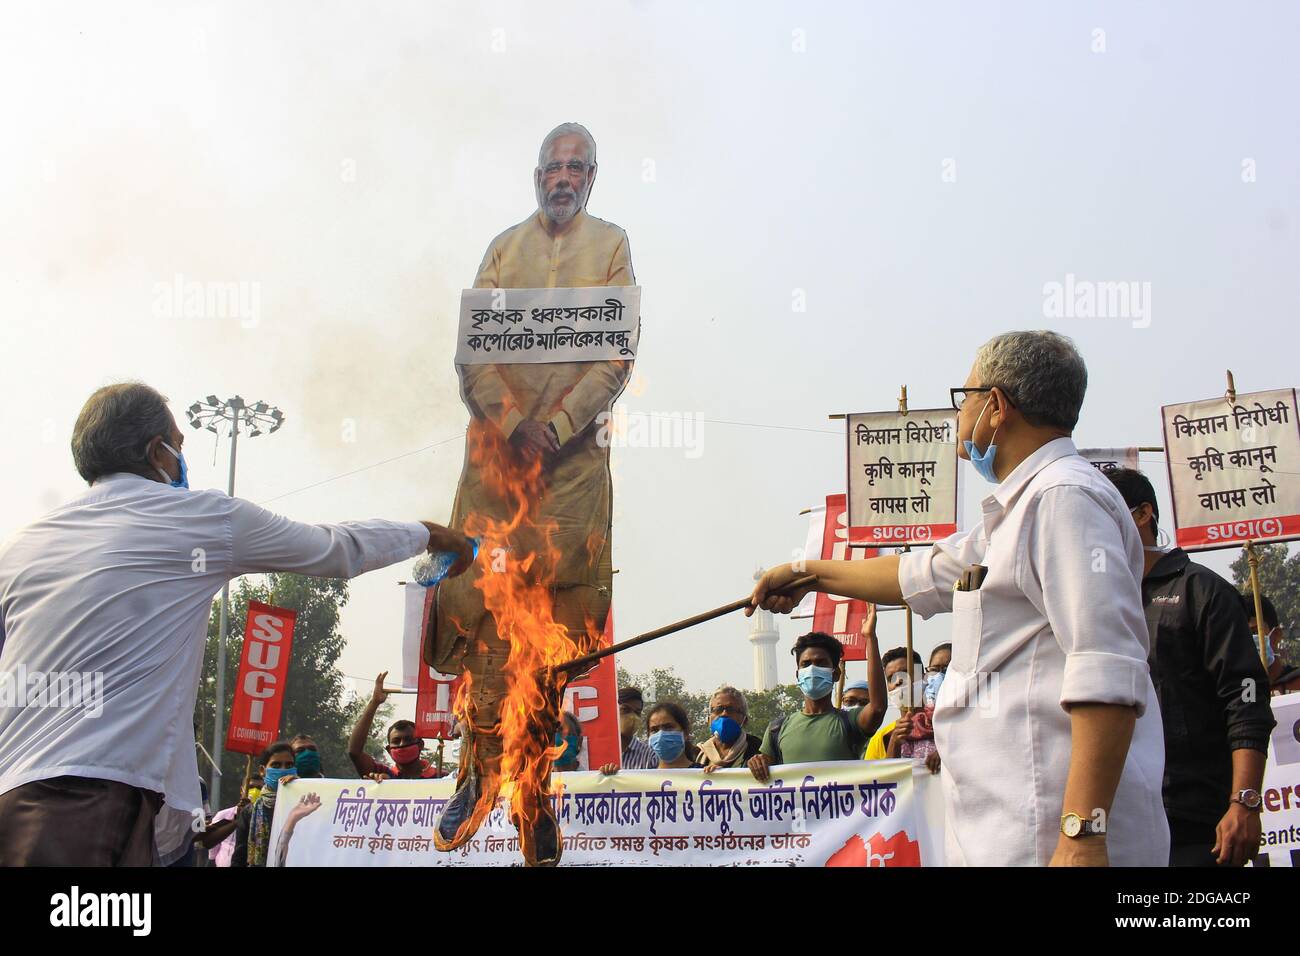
(874, 580)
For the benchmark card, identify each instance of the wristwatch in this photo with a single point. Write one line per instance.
(1250, 799)
(1075, 826)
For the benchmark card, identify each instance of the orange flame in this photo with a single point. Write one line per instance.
(462, 704)
(519, 598)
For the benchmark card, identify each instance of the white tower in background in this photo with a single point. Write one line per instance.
(764, 635)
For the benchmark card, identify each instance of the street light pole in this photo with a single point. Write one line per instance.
(223, 628)
(205, 415)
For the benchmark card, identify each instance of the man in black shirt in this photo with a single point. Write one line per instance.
(1213, 695)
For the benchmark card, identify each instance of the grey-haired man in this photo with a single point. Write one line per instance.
(1049, 682)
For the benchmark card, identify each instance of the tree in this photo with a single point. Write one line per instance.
(1279, 581)
(316, 701)
(766, 705)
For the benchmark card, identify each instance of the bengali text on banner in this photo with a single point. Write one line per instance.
(851, 813)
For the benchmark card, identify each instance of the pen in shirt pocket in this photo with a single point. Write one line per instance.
(971, 579)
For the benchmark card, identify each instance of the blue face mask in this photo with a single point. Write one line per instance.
(572, 744)
(983, 462)
(271, 778)
(184, 480)
(816, 682)
(307, 763)
(668, 744)
(726, 730)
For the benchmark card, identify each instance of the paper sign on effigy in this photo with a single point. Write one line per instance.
(510, 326)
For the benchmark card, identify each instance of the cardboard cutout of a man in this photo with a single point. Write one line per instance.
(549, 410)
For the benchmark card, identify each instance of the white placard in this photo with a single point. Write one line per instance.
(1234, 469)
(1281, 811)
(902, 482)
(1108, 459)
(528, 326)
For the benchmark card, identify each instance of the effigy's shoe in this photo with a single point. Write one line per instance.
(453, 827)
(456, 824)
(541, 843)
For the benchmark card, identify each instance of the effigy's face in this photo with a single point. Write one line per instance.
(564, 180)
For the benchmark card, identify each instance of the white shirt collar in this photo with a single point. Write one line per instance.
(121, 476)
(1012, 484)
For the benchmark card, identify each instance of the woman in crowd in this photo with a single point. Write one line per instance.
(253, 824)
(670, 738)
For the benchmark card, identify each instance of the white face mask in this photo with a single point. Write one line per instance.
(898, 696)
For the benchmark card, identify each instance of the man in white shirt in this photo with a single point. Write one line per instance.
(1047, 719)
(104, 606)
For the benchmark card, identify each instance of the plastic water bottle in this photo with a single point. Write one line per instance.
(429, 569)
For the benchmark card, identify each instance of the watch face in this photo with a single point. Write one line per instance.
(1251, 798)
(1071, 825)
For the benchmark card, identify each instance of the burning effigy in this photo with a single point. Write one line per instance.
(536, 488)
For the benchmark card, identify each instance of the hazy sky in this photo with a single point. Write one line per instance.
(911, 175)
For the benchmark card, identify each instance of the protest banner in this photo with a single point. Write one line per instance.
(435, 695)
(850, 813)
(812, 546)
(1280, 816)
(902, 483)
(838, 616)
(1234, 474)
(417, 605)
(512, 326)
(594, 701)
(1107, 459)
(259, 689)
(902, 476)
(1234, 469)
(435, 692)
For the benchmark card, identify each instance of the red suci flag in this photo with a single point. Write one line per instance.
(594, 701)
(263, 667)
(841, 617)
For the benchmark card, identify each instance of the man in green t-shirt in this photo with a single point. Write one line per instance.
(820, 731)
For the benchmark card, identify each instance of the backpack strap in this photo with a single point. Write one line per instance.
(774, 733)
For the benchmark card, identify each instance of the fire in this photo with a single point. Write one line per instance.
(517, 593)
(463, 703)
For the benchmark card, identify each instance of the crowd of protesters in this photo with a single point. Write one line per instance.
(840, 720)
(1133, 725)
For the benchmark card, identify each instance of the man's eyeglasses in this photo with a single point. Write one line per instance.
(574, 166)
(959, 395)
(722, 710)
